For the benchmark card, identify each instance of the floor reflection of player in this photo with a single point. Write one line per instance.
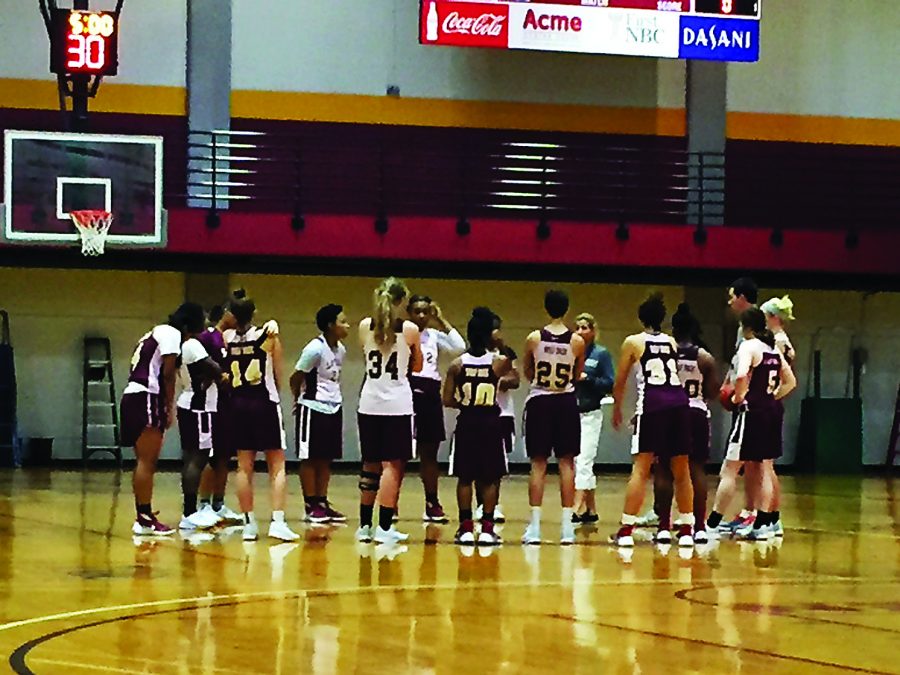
(661, 425)
(255, 365)
(437, 336)
(762, 378)
(478, 455)
(392, 350)
(148, 405)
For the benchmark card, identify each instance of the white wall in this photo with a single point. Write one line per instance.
(152, 41)
(52, 310)
(823, 57)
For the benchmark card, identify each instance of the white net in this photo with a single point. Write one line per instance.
(93, 227)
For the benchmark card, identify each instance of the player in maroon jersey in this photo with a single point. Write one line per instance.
(762, 379)
(478, 455)
(148, 405)
(661, 425)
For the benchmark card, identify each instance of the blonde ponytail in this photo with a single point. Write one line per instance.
(388, 295)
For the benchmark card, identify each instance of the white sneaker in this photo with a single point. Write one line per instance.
(280, 530)
(228, 516)
(251, 531)
(763, 533)
(498, 515)
(567, 534)
(204, 518)
(663, 537)
(464, 538)
(649, 519)
(623, 537)
(207, 508)
(744, 531)
(391, 536)
(778, 529)
(489, 539)
(364, 533)
(479, 513)
(686, 540)
(701, 537)
(532, 534)
(186, 524)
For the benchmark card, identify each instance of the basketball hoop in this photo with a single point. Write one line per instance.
(93, 227)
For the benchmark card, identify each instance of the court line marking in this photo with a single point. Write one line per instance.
(305, 592)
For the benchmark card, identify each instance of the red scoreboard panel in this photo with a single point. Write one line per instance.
(84, 42)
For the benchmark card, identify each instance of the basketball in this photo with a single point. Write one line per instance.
(725, 394)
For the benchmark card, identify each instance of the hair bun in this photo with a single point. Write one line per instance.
(240, 294)
(683, 308)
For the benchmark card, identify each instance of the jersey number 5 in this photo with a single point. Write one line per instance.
(774, 382)
(377, 366)
(544, 370)
(252, 375)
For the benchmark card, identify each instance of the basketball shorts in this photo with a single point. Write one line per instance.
(139, 411)
(756, 435)
(666, 433)
(552, 426)
(477, 453)
(700, 436)
(385, 438)
(428, 410)
(196, 430)
(508, 433)
(318, 435)
(257, 424)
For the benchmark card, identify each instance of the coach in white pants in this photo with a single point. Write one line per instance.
(596, 382)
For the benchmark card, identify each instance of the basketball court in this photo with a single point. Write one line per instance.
(81, 596)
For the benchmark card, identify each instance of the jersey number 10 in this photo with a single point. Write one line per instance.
(485, 395)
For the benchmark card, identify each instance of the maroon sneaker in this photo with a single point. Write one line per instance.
(334, 516)
(465, 535)
(623, 537)
(150, 527)
(317, 514)
(434, 513)
(685, 535)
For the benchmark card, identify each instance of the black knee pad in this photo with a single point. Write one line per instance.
(368, 481)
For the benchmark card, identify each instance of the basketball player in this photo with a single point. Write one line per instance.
(318, 411)
(437, 335)
(697, 372)
(762, 379)
(254, 364)
(148, 406)
(508, 382)
(661, 422)
(478, 454)
(778, 311)
(596, 382)
(742, 295)
(554, 361)
(214, 478)
(392, 349)
(197, 412)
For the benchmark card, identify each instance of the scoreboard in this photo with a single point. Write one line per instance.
(84, 42)
(715, 30)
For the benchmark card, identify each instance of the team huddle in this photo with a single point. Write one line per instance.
(230, 375)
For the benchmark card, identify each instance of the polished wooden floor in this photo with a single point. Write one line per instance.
(79, 594)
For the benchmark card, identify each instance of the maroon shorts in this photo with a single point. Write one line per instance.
(196, 429)
(756, 435)
(700, 436)
(478, 453)
(666, 433)
(428, 409)
(552, 426)
(318, 435)
(508, 433)
(257, 424)
(223, 430)
(139, 411)
(385, 438)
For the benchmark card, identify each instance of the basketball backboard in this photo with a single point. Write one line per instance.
(48, 174)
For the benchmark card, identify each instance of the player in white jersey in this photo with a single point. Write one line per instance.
(148, 406)
(254, 366)
(318, 411)
(697, 372)
(437, 336)
(391, 349)
(554, 361)
(197, 403)
(778, 312)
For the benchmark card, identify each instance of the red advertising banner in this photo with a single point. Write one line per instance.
(464, 24)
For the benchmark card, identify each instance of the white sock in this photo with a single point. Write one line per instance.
(277, 516)
(536, 516)
(249, 518)
(685, 519)
(629, 520)
(567, 515)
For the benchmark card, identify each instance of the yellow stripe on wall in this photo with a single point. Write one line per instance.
(112, 98)
(813, 129)
(456, 113)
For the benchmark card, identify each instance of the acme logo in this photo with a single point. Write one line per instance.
(552, 22)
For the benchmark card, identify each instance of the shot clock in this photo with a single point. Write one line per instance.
(84, 42)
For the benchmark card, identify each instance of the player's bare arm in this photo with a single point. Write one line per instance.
(788, 380)
(448, 392)
(630, 354)
(710, 371)
(578, 348)
(413, 339)
(531, 344)
(511, 380)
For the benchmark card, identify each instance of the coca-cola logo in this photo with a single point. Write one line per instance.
(490, 25)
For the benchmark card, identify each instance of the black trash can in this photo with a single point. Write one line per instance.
(40, 452)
